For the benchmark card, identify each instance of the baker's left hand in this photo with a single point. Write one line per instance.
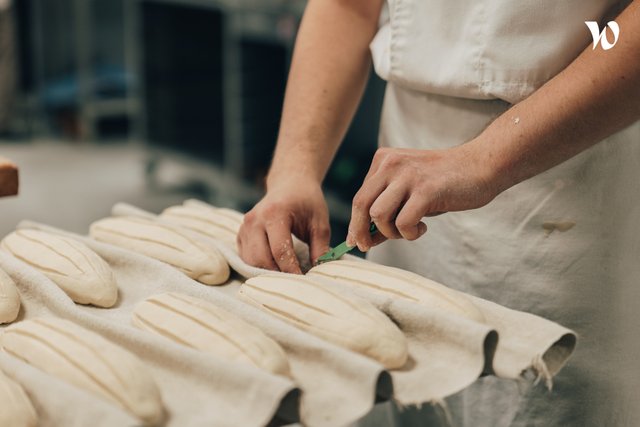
(405, 185)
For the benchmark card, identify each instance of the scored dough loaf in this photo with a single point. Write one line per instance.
(236, 216)
(397, 283)
(204, 326)
(69, 263)
(218, 223)
(165, 243)
(16, 409)
(9, 299)
(344, 320)
(87, 360)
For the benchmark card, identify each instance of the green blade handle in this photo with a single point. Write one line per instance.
(342, 248)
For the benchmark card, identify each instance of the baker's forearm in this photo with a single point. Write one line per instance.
(595, 96)
(328, 74)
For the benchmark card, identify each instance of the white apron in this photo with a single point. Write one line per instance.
(562, 245)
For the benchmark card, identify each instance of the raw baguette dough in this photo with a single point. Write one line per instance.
(231, 214)
(204, 326)
(348, 321)
(218, 223)
(165, 243)
(9, 300)
(16, 409)
(397, 283)
(79, 271)
(87, 360)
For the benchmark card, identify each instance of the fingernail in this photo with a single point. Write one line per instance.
(351, 242)
(422, 228)
(363, 248)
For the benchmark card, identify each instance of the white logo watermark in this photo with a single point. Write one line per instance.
(601, 37)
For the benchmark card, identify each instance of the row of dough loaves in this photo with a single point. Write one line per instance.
(303, 301)
(86, 278)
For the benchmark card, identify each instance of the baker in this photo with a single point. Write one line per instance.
(516, 119)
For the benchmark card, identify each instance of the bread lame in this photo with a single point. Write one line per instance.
(342, 248)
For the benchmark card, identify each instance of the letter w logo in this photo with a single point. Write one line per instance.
(601, 37)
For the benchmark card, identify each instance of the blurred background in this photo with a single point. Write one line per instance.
(151, 102)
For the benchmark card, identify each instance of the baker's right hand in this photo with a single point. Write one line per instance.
(294, 206)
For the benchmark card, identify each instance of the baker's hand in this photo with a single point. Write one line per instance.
(294, 206)
(405, 185)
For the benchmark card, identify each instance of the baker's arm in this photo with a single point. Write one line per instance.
(328, 74)
(595, 96)
(8, 178)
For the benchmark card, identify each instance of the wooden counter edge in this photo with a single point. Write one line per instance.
(8, 178)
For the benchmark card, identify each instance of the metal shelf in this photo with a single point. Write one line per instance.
(275, 21)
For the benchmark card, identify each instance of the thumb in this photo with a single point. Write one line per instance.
(319, 240)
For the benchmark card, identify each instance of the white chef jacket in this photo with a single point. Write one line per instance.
(452, 66)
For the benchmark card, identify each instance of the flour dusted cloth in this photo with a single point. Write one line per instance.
(448, 352)
(515, 344)
(196, 389)
(338, 386)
